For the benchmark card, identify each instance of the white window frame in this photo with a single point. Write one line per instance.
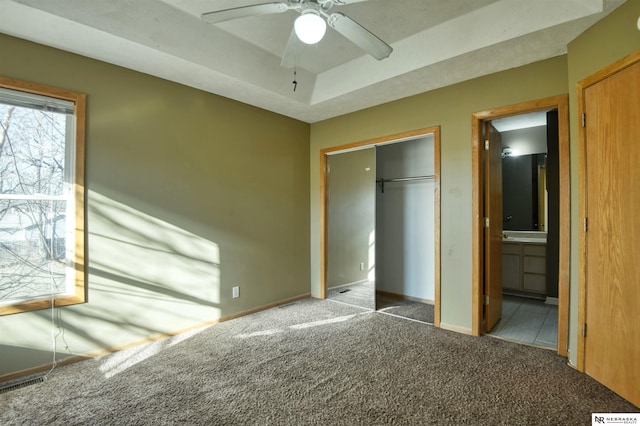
(54, 98)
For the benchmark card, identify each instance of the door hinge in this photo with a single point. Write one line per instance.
(584, 120)
(486, 222)
(486, 145)
(584, 330)
(586, 224)
(486, 300)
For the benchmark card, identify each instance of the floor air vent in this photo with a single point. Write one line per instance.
(22, 384)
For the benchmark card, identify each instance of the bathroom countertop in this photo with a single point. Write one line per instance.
(524, 240)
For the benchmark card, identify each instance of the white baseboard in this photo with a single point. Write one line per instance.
(551, 301)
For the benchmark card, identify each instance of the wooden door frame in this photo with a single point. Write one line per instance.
(561, 103)
(324, 153)
(581, 87)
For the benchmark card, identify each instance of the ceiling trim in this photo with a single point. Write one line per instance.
(160, 39)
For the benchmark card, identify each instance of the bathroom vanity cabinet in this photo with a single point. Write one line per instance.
(524, 268)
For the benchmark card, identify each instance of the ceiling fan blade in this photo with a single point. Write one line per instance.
(359, 35)
(244, 11)
(290, 55)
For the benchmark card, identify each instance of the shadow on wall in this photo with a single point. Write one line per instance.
(159, 259)
(146, 278)
(153, 270)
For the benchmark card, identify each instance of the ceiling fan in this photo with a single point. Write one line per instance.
(310, 26)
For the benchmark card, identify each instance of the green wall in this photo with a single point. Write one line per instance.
(450, 108)
(189, 194)
(609, 40)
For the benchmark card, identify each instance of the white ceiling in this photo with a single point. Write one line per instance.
(436, 43)
(521, 121)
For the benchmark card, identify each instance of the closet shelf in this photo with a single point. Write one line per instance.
(381, 182)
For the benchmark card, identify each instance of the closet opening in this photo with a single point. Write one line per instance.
(381, 221)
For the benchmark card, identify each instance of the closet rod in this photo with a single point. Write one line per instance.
(406, 179)
(382, 181)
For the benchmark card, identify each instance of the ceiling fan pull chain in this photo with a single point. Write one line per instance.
(295, 83)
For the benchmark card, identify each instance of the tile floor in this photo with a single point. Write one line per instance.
(528, 321)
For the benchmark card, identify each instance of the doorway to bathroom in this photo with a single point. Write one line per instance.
(521, 227)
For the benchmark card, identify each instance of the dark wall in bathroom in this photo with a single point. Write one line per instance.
(553, 193)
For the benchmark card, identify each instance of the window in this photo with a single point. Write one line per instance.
(42, 246)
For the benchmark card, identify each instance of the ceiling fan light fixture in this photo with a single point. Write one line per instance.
(310, 27)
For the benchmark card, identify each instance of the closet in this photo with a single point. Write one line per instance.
(380, 216)
(405, 207)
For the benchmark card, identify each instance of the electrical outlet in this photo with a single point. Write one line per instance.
(362, 266)
(235, 292)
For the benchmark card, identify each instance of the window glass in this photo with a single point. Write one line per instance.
(39, 205)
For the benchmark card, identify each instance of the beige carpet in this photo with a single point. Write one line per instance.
(405, 308)
(364, 295)
(316, 363)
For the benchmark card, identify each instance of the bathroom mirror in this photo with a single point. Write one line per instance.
(524, 202)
